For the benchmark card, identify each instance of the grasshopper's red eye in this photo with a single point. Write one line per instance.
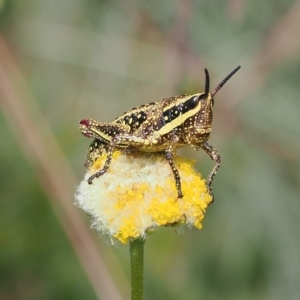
(85, 122)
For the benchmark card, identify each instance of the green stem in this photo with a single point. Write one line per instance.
(137, 269)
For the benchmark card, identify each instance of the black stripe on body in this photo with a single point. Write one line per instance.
(181, 108)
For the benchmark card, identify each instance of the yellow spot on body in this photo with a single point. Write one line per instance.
(166, 118)
(130, 121)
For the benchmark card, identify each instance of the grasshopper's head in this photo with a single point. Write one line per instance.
(100, 130)
(198, 126)
(88, 127)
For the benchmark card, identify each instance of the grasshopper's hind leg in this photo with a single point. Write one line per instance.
(169, 156)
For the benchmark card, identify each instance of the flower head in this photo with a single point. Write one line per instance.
(138, 194)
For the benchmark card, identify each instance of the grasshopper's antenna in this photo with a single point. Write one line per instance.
(225, 80)
(206, 91)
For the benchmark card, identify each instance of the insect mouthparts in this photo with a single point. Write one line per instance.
(84, 127)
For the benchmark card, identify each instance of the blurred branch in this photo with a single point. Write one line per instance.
(43, 152)
(282, 41)
(179, 57)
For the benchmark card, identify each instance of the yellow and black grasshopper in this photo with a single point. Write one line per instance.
(160, 126)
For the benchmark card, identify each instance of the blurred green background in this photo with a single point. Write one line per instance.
(62, 61)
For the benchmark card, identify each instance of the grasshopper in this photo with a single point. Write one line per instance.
(161, 126)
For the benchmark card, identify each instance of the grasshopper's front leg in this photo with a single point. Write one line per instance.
(95, 151)
(169, 156)
(110, 151)
(215, 156)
